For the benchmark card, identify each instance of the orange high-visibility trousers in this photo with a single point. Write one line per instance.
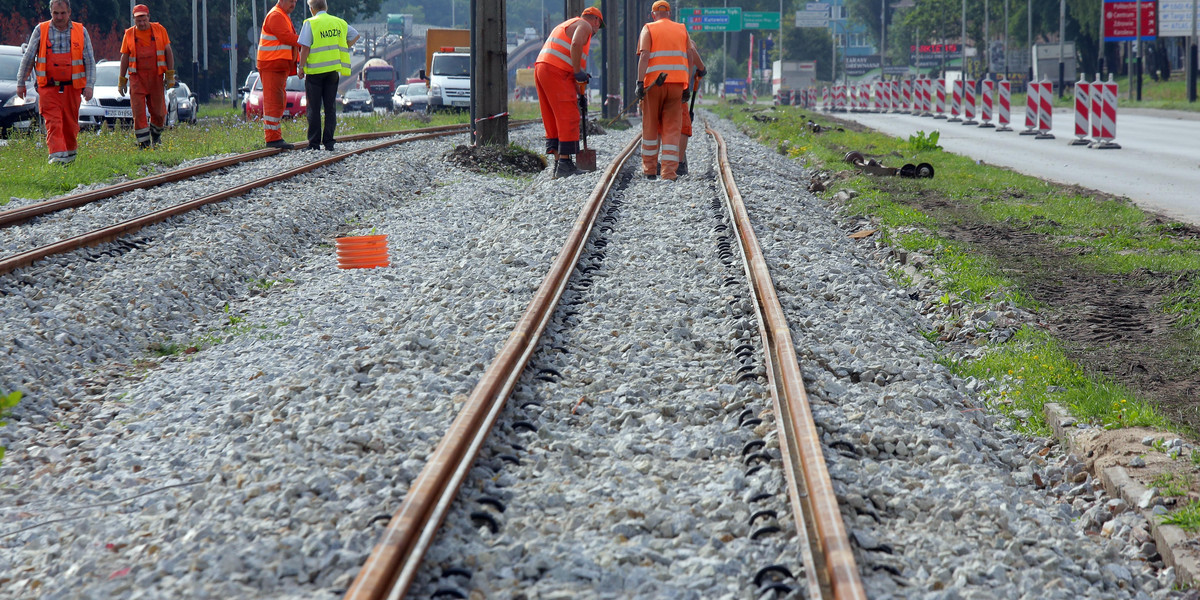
(59, 105)
(146, 89)
(274, 101)
(662, 126)
(559, 101)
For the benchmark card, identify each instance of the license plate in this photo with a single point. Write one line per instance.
(460, 103)
(287, 113)
(116, 113)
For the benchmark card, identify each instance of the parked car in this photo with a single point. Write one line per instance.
(16, 113)
(187, 101)
(297, 102)
(416, 98)
(246, 87)
(398, 98)
(358, 100)
(109, 107)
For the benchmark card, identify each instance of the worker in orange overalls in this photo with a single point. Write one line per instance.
(60, 51)
(560, 70)
(278, 51)
(695, 71)
(146, 56)
(662, 50)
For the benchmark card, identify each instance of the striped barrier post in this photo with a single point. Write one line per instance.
(1108, 113)
(1045, 113)
(825, 98)
(969, 103)
(940, 90)
(919, 96)
(1003, 116)
(1031, 108)
(893, 99)
(876, 97)
(927, 97)
(1082, 111)
(956, 91)
(986, 94)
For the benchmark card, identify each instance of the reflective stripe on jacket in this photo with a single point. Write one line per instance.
(78, 69)
(557, 49)
(158, 33)
(668, 52)
(329, 51)
(270, 47)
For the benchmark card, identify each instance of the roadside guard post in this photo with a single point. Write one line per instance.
(941, 99)
(1108, 115)
(1004, 117)
(969, 103)
(1031, 108)
(1045, 113)
(1082, 100)
(986, 95)
(956, 101)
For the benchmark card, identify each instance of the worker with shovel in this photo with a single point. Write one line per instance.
(662, 77)
(562, 66)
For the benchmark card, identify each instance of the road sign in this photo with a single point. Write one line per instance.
(807, 19)
(712, 19)
(1120, 20)
(760, 20)
(1174, 18)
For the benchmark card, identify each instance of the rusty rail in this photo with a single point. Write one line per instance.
(829, 561)
(98, 236)
(392, 565)
(20, 215)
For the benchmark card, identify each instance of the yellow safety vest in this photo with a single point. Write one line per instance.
(329, 50)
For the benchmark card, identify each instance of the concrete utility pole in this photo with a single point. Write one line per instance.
(1191, 78)
(1062, 42)
(233, 52)
(987, 42)
(963, 72)
(204, 29)
(490, 72)
(610, 71)
(635, 12)
(573, 8)
(882, 40)
(195, 48)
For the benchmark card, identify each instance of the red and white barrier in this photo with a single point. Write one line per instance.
(940, 90)
(1003, 115)
(1045, 114)
(894, 95)
(969, 103)
(825, 98)
(927, 97)
(1082, 111)
(1108, 115)
(1031, 108)
(987, 93)
(956, 92)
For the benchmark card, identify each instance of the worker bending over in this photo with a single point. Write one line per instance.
(662, 77)
(146, 58)
(559, 73)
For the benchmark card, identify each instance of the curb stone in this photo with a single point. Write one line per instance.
(1174, 545)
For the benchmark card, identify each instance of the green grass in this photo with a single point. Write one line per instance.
(109, 155)
(7, 402)
(1187, 517)
(1172, 484)
(1109, 236)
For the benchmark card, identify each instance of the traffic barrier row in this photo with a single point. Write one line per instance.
(1095, 104)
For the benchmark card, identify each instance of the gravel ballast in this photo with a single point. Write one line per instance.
(264, 464)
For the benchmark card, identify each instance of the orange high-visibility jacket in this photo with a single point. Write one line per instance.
(668, 52)
(158, 33)
(78, 70)
(557, 49)
(278, 42)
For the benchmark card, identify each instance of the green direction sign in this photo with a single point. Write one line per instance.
(712, 19)
(760, 20)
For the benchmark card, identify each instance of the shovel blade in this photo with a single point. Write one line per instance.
(585, 160)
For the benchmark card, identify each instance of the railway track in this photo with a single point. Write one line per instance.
(20, 215)
(829, 566)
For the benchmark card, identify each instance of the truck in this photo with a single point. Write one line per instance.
(792, 76)
(379, 78)
(448, 68)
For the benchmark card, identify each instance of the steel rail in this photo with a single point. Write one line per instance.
(829, 561)
(392, 565)
(24, 259)
(20, 215)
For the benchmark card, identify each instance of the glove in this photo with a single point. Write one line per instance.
(639, 91)
(170, 78)
(701, 73)
(583, 77)
(122, 85)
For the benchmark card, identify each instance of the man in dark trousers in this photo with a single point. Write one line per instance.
(325, 43)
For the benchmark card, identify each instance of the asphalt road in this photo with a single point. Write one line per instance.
(1157, 167)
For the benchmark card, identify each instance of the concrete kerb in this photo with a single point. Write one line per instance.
(1173, 544)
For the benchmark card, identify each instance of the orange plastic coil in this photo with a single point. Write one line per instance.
(363, 252)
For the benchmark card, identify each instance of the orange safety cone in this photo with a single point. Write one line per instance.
(362, 252)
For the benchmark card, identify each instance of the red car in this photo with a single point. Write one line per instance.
(297, 103)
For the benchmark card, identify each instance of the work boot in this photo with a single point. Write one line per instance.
(144, 145)
(282, 145)
(155, 135)
(650, 177)
(565, 168)
(681, 170)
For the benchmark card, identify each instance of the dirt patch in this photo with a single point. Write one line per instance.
(509, 160)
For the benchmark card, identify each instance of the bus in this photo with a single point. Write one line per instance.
(379, 78)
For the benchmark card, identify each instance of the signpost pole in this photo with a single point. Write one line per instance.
(883, 41)
(1062, 42)
(1138, 57)
(1191, 78)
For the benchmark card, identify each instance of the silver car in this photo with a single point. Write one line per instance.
(109, 107)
